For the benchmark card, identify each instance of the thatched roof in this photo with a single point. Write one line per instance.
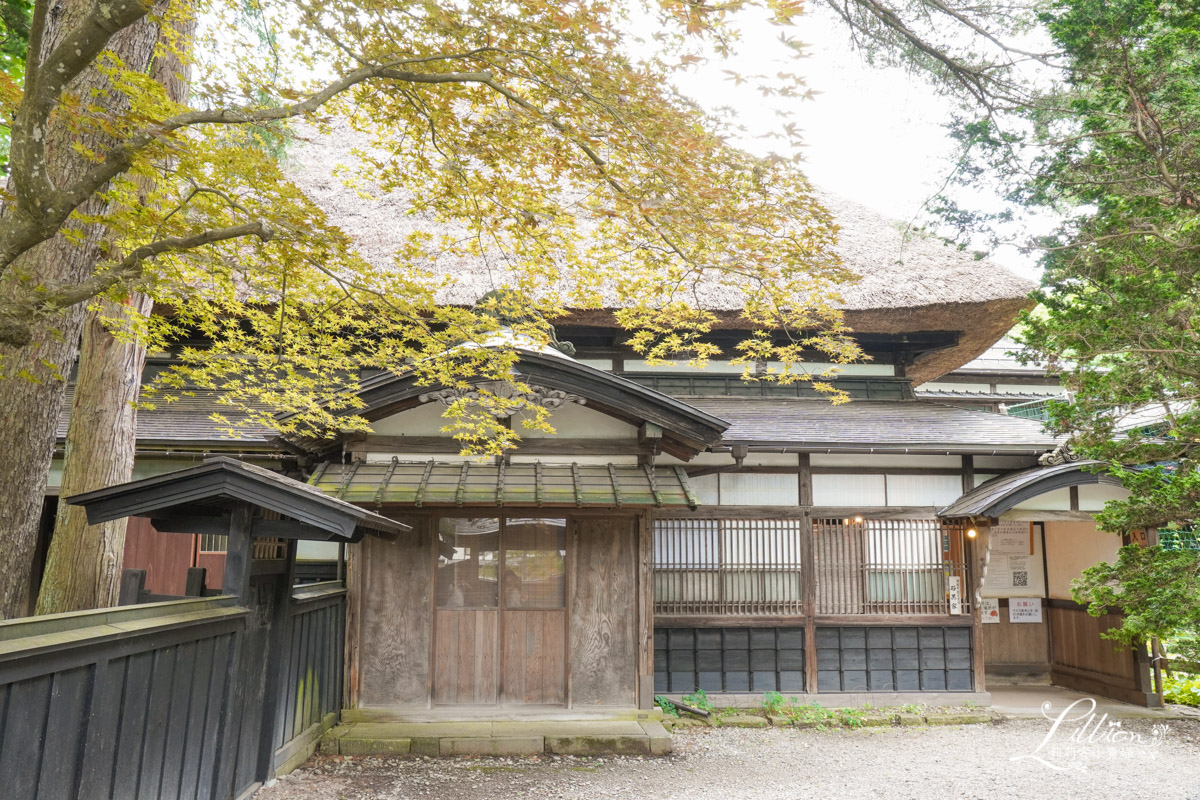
(910, 281)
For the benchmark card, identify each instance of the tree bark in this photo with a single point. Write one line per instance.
(33, 382)
(83, 566)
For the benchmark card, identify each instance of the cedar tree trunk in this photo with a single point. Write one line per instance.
(33, 381)
(83, 567)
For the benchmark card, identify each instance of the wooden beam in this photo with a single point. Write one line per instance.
(649, 432)
(806, 486)
(528, 446)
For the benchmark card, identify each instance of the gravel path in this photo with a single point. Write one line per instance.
(782, 764)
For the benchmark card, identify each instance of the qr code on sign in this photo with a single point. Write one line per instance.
(1021, 578)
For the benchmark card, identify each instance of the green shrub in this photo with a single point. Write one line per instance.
(698, 699)
(1182, 689)
(666, 705)
(772, 703)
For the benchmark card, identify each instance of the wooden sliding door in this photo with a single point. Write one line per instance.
(501, 611)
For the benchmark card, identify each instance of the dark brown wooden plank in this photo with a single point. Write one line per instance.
(603, 629)
(103, 728)
(394, 624)
(154, 734)
(217, 689)
(139, 672)
(196, 720)
(645, 603)
(66, 726)
(22, 751)
(177, 722)
(534, 664)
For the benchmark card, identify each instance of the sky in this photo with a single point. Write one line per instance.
(874, 135)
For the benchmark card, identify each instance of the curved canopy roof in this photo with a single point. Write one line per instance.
(1001, 494)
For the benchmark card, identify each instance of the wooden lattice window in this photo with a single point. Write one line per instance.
(212, 543)
(880, 566)
(737, 567)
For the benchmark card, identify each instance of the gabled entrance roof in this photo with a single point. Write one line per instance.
(199, 495)
(1001, 494)
(686, 430)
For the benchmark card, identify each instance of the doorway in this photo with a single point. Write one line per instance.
(500, 630)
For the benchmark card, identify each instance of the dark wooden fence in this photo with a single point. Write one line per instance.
(198, 698)
(311, 687)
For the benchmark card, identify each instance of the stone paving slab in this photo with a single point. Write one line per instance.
(499, 738)
(599, 745)
(578, 728)
(493, 746)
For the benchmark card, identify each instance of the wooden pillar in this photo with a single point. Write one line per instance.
(808, 572)
(968, 473)
(133, 582)
(274, 709)
(196, 578)
(645, 584)
(238, 553)
(975, 553)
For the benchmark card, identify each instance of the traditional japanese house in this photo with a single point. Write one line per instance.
(685, 529)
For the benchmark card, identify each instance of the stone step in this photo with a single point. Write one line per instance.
(499, 738)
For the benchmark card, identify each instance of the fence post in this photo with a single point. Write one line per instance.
(196, 579)
(133, 582)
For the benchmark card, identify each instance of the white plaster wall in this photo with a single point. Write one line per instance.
(1057, 500)
(923, 490)
(316, 551)
(574, 421)
(424, 420)
(1092, 497)
(1071, 547)
(851, 491)
(759, 489)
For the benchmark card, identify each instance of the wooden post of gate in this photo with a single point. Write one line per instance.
(808, 574)
(196, 579)
(133, 583)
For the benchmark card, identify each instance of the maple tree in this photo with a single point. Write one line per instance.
(555, 147)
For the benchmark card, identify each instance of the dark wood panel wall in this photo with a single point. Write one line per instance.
(606, 648)
(391, 586)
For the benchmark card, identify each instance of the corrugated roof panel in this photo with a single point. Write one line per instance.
(470, 484)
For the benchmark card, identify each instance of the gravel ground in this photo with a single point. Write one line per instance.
(778, 764)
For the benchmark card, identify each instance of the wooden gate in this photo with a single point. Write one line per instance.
(1080, 659)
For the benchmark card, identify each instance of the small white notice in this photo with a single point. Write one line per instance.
(998, 577)
(1010, 540)
(989, 610)
(954, 593)
(1024, 609)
